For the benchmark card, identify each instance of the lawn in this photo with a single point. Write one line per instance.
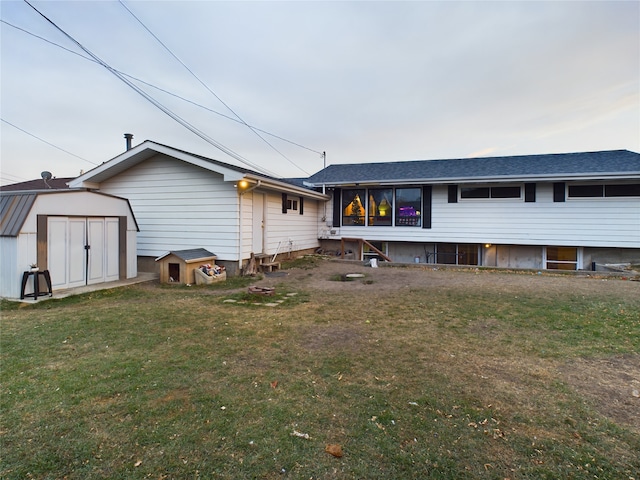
(408, 372)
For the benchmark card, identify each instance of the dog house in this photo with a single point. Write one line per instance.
(178, 266)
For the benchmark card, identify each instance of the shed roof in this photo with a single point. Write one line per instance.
(190, 255)
(14, 209)
(611, 163)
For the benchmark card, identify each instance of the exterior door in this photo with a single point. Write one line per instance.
(66, 256)
(257, 244)
(82, 251)
(102, 250)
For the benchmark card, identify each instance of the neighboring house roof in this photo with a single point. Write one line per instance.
(564, 166)
(148, 149)
(39, 184)
(15, 207)
(190, 255)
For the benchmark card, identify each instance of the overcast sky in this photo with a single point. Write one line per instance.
(363, 81)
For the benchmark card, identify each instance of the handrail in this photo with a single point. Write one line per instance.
(361, 242)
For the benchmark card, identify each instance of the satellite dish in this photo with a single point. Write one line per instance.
(46, 175)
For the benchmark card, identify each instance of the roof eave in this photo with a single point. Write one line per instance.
(483, 179)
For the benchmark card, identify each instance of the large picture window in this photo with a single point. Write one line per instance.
(380, 206)
(408, 205)
(353, 206)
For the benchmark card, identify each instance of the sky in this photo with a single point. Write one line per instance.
(271, 85)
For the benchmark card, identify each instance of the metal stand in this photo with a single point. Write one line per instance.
(36, 284)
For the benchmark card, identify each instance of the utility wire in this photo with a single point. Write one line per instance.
(161, 89)
(209, 89)
(154, 102)
(48, 143)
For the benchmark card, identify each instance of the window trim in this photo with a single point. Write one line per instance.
(578, 262)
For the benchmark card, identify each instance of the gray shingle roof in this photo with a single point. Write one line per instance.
(38, 184)
(569, 165)
(190, 254)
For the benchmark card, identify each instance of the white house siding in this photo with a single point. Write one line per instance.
(246, 217)
(179, 206)
(16, 255)
(291, 232)
(603, 222)
(284, 232)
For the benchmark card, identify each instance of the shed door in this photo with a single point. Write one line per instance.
(66, 256)
(102, 252)
(82, 251)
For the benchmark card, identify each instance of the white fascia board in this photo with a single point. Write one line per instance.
(142, 152)
(285, 187)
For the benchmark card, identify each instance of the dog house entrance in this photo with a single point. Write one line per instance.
(174, 272)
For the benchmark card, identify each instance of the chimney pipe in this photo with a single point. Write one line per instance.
(128, 137)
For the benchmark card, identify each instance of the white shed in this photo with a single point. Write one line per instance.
(80, 237)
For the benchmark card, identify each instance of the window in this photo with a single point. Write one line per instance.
(380, 206)
(599, 191)
(562, 258)
(623, 190)
(353, 206)
(292, 204)
(474, 192)
(490, 192)
(505, 192)
(581, 191)
(455, 254)
(408, 204)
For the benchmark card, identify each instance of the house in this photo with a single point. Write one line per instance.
(184, 201)
(560, 211)
(79, 237)
(44, 183)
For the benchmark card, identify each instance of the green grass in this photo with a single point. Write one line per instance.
(172, 382)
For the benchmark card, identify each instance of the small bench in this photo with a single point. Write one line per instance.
(269, 266)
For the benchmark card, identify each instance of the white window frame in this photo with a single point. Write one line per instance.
(578, 262)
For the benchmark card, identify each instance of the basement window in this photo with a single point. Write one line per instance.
(562, 258)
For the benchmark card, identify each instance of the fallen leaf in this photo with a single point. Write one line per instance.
(138, 463)
(335, 450)
(274, 384)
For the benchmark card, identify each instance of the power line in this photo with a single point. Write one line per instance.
(4, 176)
(162, 89)
(48, 143)
(154, 102)
(209, 89)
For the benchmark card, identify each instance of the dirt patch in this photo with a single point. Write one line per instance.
(327, 276)
(611, 384)
(331, 338)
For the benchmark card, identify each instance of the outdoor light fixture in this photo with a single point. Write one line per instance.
(487, 245)
(244, 186)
